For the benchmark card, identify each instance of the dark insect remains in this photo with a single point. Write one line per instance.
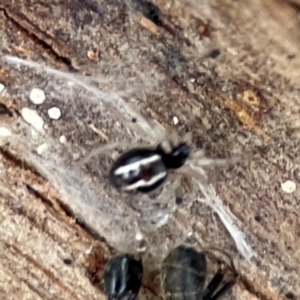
(184, 273)
(123, 277)
(145, 169)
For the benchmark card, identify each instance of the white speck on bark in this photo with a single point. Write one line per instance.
(33, 118)
(42, 148)
(4, 132)
(54, 113)
(232, 51)
(288, 186)
(139, 236)
(62, 139)
(37, 96)
(2, 87)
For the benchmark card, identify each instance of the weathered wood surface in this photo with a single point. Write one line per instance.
(244, 99)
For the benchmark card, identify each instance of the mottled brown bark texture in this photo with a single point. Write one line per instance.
(225, 71)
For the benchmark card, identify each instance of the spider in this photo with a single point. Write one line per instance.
(123, 277)
(144, 169)
(184, 273)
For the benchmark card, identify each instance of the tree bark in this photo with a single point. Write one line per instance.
(225, 71)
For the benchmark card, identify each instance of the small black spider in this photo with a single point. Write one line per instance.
(123, 277)
(184, 273)
(145, 169)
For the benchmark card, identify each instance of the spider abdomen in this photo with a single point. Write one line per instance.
(139, 170)
(123, 277)
(183, 274)
(145, 169)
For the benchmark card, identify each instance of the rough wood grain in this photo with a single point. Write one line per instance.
(228, 70)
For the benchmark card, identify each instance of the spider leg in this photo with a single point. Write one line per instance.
(217, 279)
(227, 286)
(99, 150)
(209, 251)
(213, 285)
